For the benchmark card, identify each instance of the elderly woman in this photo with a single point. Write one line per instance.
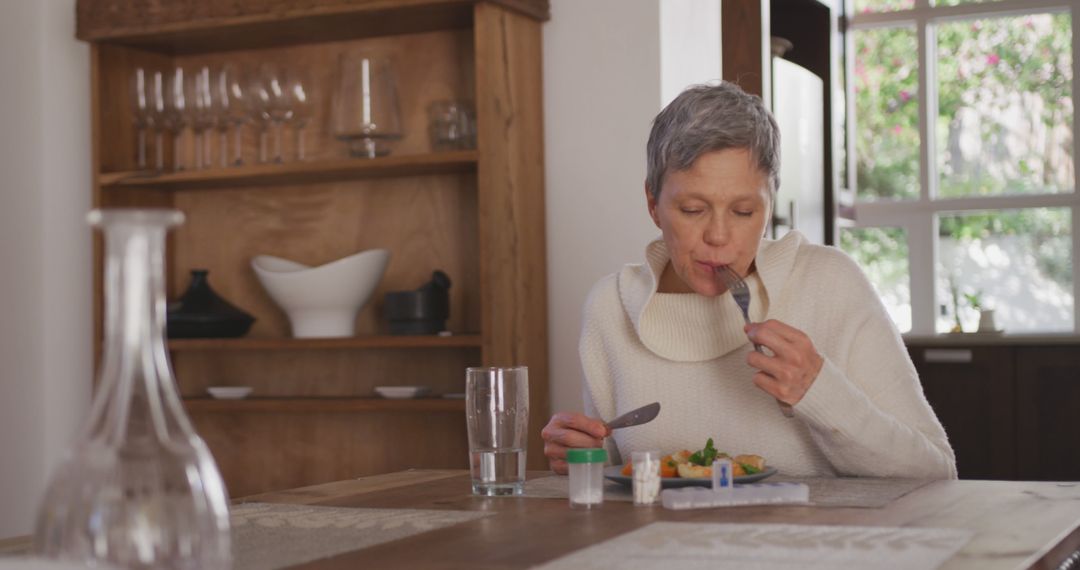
(669, 331)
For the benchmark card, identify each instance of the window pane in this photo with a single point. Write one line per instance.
(883, 255)
(1018, 263)
(866, 6)
(1005, 106)
(886, 113)
(958, 2)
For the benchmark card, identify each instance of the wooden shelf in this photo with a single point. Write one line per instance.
(356, 342)
(293, 173)
(202, 26)
(324, 405)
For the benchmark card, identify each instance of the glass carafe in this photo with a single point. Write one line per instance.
(139, 489)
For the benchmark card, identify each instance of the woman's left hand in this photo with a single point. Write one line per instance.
(793, 366)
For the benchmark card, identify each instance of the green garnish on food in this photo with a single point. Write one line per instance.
(705, 457)
(750, 469)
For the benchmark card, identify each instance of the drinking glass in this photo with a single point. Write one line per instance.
(176, 110)
(497, 413)
(143, 110)
(451, 126)
(203, 116)
(366, 114)
(299, 87)
(158, 117)
(258, 101)
(230, 96)
(276, 102)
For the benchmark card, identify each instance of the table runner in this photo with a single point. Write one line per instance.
(267, 536)
(824, 492)
(693, 546)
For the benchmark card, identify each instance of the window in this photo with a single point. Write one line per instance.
(962, 162)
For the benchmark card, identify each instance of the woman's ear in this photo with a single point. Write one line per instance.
(651, 203)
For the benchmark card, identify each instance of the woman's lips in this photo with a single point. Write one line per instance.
(710, 266)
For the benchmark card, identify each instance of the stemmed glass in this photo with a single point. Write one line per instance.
(259, 101)
(158, 116)
(143, 107)
(203, 117)
(172, 106)
(299, 91)
(275, 101)
(366, 109)
(230, 105)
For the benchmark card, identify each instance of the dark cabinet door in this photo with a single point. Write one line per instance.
(1048, 413)
(971, 390)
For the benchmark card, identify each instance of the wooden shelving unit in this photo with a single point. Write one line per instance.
(476, 214)
(296, 173)
(354, 343)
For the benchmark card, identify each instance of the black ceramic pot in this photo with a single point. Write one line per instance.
(201, 313)
(423, 311)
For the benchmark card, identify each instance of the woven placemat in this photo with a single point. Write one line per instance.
(694, 546)
(824, 492)
(267, 536)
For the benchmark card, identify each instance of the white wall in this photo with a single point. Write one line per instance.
(609, 66)
(45, 320)
(689, 45)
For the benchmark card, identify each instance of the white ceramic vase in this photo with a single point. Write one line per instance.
(322, 302)
(986, 321)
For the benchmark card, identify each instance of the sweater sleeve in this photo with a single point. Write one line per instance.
(868, 414)
(598, 390)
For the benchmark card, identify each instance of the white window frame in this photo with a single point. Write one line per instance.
(918, 217)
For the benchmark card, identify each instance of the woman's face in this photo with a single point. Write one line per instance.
(711, 214)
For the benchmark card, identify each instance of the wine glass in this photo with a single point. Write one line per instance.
(230, 106)
(366, 112)
(158, 114)
(258, 103)
(203, 116)
(299, 87)
(275, 102)
(175, 110)
(143, 110)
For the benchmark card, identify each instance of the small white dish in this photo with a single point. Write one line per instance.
(401, 392)
(229, 392)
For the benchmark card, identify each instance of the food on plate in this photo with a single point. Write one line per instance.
(698, 464)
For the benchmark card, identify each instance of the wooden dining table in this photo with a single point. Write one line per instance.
(1012, 524)
(1015, 524)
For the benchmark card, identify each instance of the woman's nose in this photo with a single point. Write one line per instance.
(716, 232)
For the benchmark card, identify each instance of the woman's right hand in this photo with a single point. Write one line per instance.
(568, 430)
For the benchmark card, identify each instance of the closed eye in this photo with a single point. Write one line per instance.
(690, 211)
(744, 214)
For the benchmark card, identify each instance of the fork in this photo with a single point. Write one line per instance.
(741, 293)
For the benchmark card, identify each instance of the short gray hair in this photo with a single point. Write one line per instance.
(706, 118)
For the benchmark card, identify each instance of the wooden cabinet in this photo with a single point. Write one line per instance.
(1048, 419)
(1010, 411)
(476, 214)
(971, 390)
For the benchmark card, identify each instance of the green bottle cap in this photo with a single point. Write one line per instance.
(591, 455)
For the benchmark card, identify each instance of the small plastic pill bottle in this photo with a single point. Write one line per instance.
(646, 477)
(586, 477)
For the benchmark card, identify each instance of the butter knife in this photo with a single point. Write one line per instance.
(642, 415)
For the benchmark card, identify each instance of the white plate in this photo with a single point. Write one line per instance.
(229, 392)
(401, 392)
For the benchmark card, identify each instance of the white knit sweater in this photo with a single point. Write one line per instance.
(864, 415)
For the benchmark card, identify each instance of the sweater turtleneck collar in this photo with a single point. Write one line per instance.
(687, 327)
